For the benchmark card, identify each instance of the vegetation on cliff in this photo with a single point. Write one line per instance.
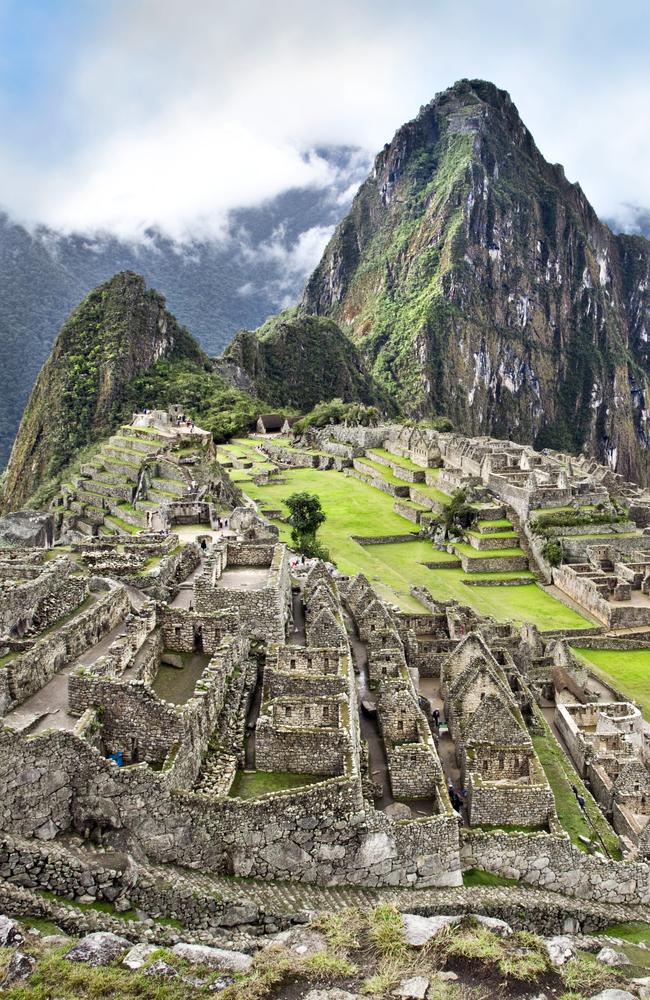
(296, 362)
(118, 332)
(479, 283)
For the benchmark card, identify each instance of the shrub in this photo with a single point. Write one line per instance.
(458, 515)
(553, 552)
(337, 412)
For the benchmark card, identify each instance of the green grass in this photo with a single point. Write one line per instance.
(130, 528)
(468, 550)
(627, 669)
(634, 931)
(501, 522)
(381, 471)
(475, 876)
(494, 534)
(561, 776)
(354, 507)
(404, 463)
(248, 785)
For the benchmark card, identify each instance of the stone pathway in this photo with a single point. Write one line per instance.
(291, 897)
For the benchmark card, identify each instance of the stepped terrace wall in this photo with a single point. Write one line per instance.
(319, 834)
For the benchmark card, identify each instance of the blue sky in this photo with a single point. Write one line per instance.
(121, 114)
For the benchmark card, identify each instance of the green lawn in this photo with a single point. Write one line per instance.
(468, 550)
(250, 784)
(404, 463)
(381, 471)
(354, 507)
(627, 669)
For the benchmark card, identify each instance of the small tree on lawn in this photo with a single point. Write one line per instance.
(306, 518)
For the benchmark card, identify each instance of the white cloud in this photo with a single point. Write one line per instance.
(171, 113)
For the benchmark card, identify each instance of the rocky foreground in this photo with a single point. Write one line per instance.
(342, 956)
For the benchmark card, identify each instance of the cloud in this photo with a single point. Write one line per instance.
(291, 262)
(169, 114)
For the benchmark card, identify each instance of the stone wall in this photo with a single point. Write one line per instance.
(414, 771)
(551, 862)
(583, 590)
(182, 629)
(30, 671)
(316, 750)
(319, 834)
(40, 600)
(508, 803)
(265, 610)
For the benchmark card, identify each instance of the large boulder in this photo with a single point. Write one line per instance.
(20, 967)
(560, 949)
(100, 948)
(419, 930)
(9, 932)
(138, 955)
(609, 956)
(216, 958)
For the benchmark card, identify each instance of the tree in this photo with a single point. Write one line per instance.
(306, 517)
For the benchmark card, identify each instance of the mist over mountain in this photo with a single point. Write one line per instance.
(213, 287)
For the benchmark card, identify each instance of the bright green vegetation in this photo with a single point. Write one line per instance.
(297, 362)
(380, 471)
(132, 529)
(250, 784)
(476, 876)
(561, 776)
(634, 931)
(469, 550)
(354, 507)
(501, 522)
(404, 463)
(85, 387)
(627, 669)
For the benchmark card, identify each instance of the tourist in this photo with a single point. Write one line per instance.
(436, 717)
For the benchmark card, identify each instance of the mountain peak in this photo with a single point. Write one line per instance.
(482, 285)
(118, 332)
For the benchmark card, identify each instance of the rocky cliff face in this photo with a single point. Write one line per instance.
(296, 362)
(117, 333)
(481, 284)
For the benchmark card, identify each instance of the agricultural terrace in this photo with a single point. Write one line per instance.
(628, 670)
(356, 508)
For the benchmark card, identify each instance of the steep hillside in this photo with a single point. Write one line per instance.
(296, 362)
(117, 333)
(481, 284)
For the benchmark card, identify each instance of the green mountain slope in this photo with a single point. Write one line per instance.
(297, 361)
(480, 283)
(118, 332)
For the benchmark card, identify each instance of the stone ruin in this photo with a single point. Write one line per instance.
(141, 703)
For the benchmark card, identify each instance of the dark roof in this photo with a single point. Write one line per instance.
(271, 421)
